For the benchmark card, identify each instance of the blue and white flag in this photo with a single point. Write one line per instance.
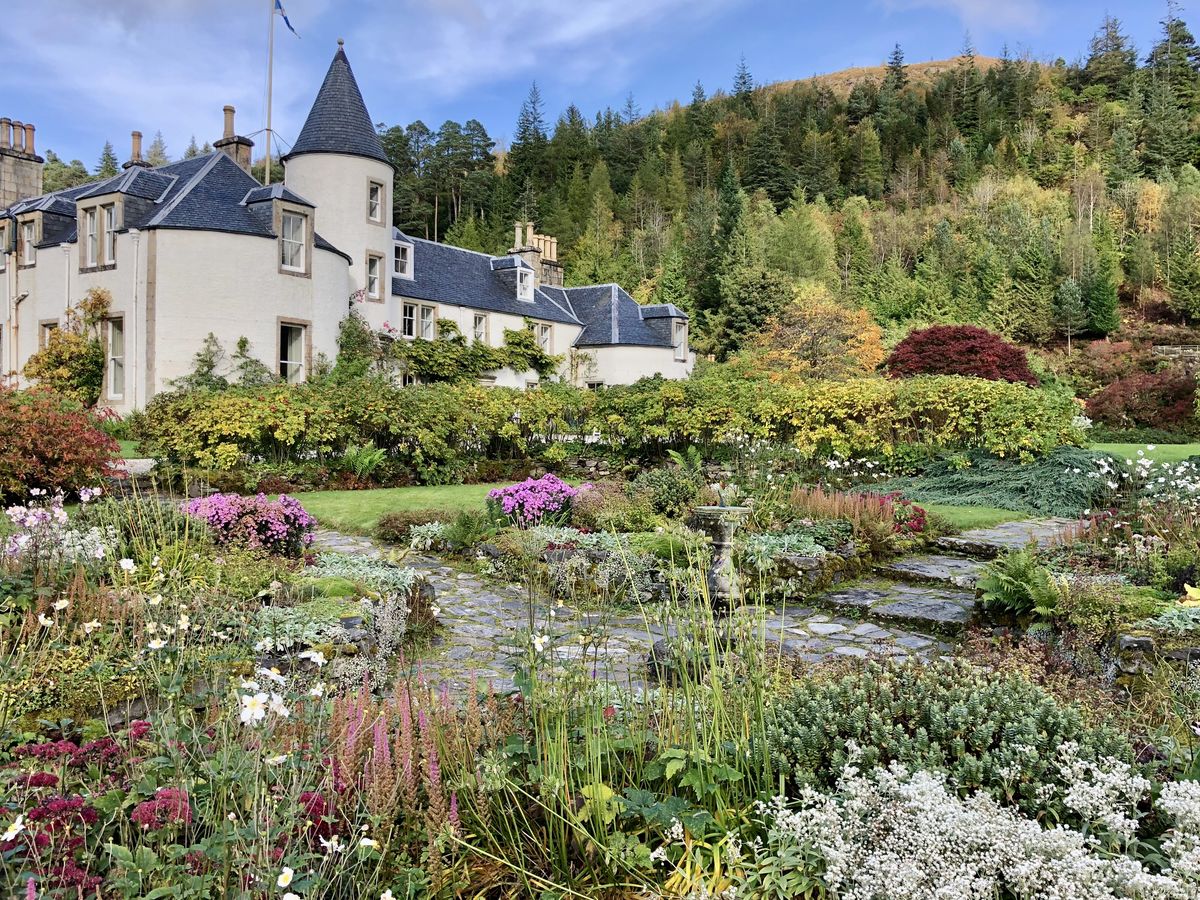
(283, 15)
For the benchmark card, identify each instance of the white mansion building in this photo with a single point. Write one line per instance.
(199, 246)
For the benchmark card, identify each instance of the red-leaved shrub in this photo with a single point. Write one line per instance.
(959, 350)
(47, 441)
(1147, 400)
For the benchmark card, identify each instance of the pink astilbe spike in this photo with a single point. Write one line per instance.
(30, 890)
(454, 811)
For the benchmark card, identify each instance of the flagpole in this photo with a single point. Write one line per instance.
(270, 72)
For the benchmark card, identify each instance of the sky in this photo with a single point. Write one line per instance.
(85, 71)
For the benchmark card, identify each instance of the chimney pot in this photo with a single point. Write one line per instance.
(517, 239)
(28, 138)
(528, 234)
(136, 150)
(5, 133)
(229, 111)
(18, 139)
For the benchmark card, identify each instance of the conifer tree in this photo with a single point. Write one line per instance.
(108, 165)
(897, 73)
(1070, 314)
(192, 150)
(1100, 280)
(766, 166)
(156, 155)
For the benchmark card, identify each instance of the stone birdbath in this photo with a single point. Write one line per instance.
(720, 523)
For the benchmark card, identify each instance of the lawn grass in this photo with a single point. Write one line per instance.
(965, 518)
(358, 511)
(1170, 453)
(130, 450)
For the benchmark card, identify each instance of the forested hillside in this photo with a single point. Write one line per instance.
(1022, 196)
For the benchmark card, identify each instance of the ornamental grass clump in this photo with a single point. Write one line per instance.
(280, 527)
(998, 734)
(535, 501)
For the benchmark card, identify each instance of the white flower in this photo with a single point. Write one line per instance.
(14, 829)
(157, 644)
(317, 690)
(45, 621)
(254, 708)
(333, 845)
(539, 642)
(155, 600)
(278, 707)
(285, 877)
(387, 895)
(272, 675)
(60, 605)
(184, 622)
(232, 817)
(436, 610)
(290, 896)
(128, 564)
(277, 760)
(89, 627)
(368, 842)
(316, 656)
(248, 685)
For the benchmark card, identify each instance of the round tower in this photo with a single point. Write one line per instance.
(339, 164)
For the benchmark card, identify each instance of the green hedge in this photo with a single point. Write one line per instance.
(440, 430)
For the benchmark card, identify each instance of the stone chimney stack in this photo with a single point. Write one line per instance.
(20, 166)
(234, 145)
(135, 152)
(540, 251)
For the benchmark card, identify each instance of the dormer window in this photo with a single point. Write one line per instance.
(524, 284)
(110, 234)
(26, 249)
(679, 339)
(292, 242)
(91, 238)
(402, 265)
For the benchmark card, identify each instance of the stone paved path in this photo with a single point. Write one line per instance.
(483, 619)
(990, 542)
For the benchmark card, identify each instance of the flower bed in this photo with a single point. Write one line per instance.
(258, 523)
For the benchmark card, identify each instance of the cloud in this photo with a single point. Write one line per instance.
(982, 15)
(94, 71)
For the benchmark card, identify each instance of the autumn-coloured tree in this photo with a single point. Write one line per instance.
(814, 336)
(959, 350)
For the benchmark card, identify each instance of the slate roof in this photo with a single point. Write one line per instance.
(338, 121)
(610, 316)
(277, 191)
(204, 193)
(446, 274)
(607, 314)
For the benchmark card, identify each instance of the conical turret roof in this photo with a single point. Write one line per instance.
(338, 121)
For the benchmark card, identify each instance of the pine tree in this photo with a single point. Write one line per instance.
(1070, 314)
(743, 84)
(157, 154)
(1168, 143)
(1124, 163)
(1101, 278)
(731, 202)
(1184, 282)
(527, 155)
(766, 166)
(672, 284)
(897, 73)
(868, 162)
(192, 150)
(1175, 59)
(108, 165)
(1112, 59)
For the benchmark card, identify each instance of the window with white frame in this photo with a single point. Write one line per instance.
(402, 266)
(116, 358)
(48, 329)
(542, 332)
(3, 247)
(91, 237)
(375, 202)
(680, 341)
(524, 284)
(374, 276)
(110, 234)
(291, 353)
(27, 250)
(292, 241)
(479, 329)
(408, 321)
(595, 385)
(428, 323)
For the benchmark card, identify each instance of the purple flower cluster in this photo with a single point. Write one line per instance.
(535, 501)
(281, 527)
